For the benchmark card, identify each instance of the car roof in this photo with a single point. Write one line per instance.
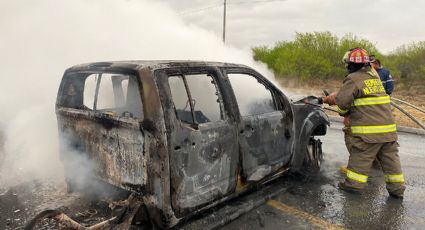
(153, 64)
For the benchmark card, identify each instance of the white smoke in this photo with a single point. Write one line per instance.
(40, 39)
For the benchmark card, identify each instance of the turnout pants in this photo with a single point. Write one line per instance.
(363, 154)
(347, 137)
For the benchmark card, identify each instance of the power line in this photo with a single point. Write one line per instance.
(249, 2)
(229, 3)
(202, 9)
(199, 10)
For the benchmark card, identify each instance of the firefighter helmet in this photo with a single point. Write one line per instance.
(356, 55)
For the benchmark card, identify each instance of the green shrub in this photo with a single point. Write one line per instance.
(318, 55)
(407, 64)
(311, 55)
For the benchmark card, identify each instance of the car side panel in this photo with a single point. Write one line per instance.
(203, 164)
(110, 149)
(264, 144)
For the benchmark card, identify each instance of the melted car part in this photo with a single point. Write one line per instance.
(129, 212)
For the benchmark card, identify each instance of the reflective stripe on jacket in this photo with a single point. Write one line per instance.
(363, 99)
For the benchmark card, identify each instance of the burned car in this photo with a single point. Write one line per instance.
(182, 135)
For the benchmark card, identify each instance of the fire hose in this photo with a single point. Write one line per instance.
(407, 103)
(409, 115)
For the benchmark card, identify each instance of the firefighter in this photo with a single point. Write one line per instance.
(363, 101)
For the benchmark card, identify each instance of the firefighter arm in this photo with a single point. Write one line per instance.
(330, 99)
(346, 122)
(345, 97)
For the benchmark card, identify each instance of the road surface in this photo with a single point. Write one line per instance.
(292, 202)
(318, 203)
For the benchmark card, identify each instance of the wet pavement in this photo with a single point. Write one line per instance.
(296, 202)
(317, 203)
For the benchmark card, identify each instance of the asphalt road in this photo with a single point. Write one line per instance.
(317, 203)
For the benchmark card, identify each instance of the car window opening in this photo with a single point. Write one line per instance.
(115, 95)
(252, 96)
(196, 98)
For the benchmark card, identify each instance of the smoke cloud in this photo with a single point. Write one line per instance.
(40, 39)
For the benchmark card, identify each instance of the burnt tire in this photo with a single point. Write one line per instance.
(313, 157)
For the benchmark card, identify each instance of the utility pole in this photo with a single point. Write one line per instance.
(224, 22)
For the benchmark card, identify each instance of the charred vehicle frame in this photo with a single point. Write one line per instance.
(182, 135)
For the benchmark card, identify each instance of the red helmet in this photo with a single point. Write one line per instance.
(356, 55)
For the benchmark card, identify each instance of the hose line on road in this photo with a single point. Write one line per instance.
(409, 104)
(409, 115)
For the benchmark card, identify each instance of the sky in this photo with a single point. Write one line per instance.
(386, 23)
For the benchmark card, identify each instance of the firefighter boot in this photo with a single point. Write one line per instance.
(398, 193)
(344, 186)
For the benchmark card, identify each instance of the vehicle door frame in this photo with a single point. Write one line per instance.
(282, 104)
(192, 132)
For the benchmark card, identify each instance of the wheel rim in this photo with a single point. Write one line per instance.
(314, 154)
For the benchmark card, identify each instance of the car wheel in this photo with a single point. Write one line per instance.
(313, 156)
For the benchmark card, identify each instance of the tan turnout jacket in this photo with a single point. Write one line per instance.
(363, 99)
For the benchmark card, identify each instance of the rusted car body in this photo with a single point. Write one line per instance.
(183, 135)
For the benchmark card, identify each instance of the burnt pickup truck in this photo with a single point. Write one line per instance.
(183, 135)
